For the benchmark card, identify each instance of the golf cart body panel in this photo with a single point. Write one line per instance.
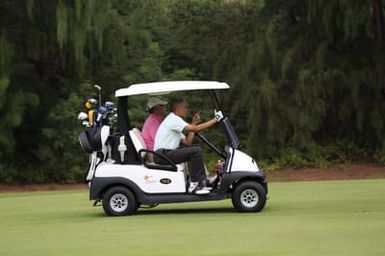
(149, 180)
(167, 87)
(242, 162)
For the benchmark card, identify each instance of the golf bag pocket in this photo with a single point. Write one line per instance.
(90, 140)
(85, 142)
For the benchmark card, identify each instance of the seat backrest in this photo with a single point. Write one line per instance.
(139, 144)
(137, 139)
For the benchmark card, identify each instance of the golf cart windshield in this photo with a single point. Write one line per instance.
(160, 88)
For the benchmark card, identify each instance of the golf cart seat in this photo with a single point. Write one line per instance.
(147, 156)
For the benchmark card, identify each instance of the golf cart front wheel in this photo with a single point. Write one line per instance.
(249, 196)
(119, 201)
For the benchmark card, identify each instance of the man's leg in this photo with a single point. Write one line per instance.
(192, 154)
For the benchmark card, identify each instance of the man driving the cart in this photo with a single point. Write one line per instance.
(170, 135)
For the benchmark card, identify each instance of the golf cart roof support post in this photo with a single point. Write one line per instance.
(214, 98)
(229, 130)
(123, 119)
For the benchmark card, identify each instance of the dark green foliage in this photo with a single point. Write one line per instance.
(14, 99)
(304, 75)
(311, 72)
(61, 157)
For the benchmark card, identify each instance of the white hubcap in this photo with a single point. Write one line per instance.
(118, 202)
(249, 198)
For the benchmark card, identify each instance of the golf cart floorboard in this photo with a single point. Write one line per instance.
(177, 198)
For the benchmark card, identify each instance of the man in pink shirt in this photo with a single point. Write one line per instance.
(157, 110)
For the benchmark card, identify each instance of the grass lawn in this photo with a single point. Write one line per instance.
(300, 218)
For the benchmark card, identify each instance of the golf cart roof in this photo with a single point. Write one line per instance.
(157, 88)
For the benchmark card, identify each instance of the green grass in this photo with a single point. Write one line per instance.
(300, 218)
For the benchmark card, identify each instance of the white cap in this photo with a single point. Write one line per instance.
(152, 102)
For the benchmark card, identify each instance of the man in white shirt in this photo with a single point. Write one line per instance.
(170, 135)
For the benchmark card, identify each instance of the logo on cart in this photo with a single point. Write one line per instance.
(148, 180)
(165, 181)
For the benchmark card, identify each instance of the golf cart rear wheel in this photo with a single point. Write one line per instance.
(119, 201)
(249, 196)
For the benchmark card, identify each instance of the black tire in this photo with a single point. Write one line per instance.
(249, 196)
(119, 201)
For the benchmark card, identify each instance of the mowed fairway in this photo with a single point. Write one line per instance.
(300, 218)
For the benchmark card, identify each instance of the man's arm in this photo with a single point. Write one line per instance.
(200, 127)
(193, 128)
(189, 139)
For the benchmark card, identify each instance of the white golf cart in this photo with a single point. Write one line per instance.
(125, 177)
